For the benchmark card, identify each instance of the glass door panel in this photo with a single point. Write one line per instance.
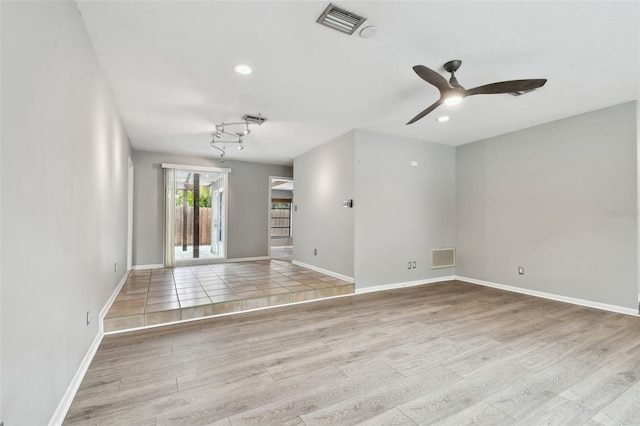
(197, 219)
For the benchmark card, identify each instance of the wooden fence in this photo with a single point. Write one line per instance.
(205, 225)
(280, 222)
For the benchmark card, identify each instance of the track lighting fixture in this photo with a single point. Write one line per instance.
(232, 133)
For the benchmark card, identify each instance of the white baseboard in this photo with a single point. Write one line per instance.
(249, 259)
(141, 267)
(324, 271)
(195, 262)
(112, 298)
(551, 296)
(403, 284)
(72, 389)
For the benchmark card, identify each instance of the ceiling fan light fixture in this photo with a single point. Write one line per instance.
(451, 92)
(453, 99)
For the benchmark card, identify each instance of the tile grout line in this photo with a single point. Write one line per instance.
(256, 271)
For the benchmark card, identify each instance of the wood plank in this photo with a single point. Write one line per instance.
(452, 352)
(370, 404)
(624, 410)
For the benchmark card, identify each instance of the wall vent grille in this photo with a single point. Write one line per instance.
(340, 19)
(443, 258)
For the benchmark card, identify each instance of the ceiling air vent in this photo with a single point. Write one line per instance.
(340, 19)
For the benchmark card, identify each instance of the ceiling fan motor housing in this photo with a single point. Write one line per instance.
(452, 66)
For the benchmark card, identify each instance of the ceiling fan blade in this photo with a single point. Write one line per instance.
(506, 87)
(432, 77)
(425, 112)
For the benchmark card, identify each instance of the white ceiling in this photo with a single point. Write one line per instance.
(170, 66)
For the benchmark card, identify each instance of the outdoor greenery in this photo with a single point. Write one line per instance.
(281, 206)
(205, 197)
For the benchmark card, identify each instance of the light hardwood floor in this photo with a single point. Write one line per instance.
(450, 353)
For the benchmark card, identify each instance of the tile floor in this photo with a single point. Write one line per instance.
(157, 296)
(282, 253)
(205, 253)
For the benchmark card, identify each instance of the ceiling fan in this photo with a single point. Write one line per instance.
(451, 92)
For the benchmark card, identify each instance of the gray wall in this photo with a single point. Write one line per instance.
(559, 200)
(323, 178)
(64, 217)
(248, 200)
(402, 212)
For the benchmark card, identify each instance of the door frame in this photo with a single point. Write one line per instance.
(130, 214)
(225, 176)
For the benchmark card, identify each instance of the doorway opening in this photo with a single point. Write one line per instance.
(196, 215)
(281, 218)
(199, 215)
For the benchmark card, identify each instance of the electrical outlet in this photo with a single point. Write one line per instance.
(409, 265)
(520, 270)
(88, 317)
(315, 252)
(414, 264)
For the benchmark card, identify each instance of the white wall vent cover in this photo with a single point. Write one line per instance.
(340, 19)
(443, 258)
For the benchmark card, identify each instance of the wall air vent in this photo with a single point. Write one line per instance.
(443, 258)
(340, 19)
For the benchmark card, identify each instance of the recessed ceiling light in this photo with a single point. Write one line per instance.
(443, 118)
(242, 69)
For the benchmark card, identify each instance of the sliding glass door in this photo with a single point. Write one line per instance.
(217, 221)
(195, 208)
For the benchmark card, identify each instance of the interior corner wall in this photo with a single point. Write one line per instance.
(558, 199)
(323, 178)
(64, 171)
(1, 400)
(638, 189)
(248, 199)
(403, 211)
